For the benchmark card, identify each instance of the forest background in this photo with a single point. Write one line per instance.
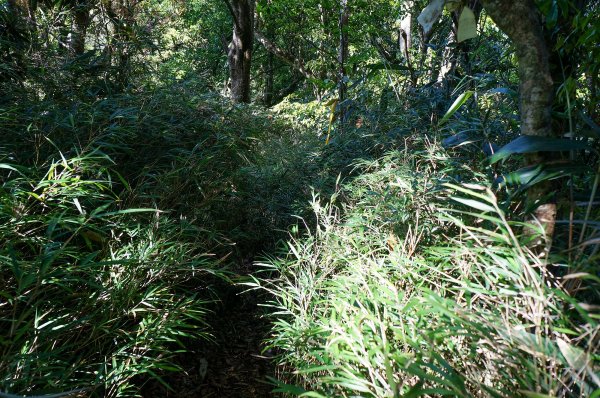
(405, 190)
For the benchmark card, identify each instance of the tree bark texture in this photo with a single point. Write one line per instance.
(22, 8)
(81, 22)
(521, 22)
(519, 19)
(342, 58)
(405, 29)
(240, 48)
(343, 49)
(23, 12)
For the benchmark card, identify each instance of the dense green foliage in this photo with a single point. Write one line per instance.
(399, 292)
(399, 259)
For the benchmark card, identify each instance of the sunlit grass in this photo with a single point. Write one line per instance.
(419, 288)
(93, 294)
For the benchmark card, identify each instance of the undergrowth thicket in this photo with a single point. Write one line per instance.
(411, 285)
(123, 214)
(390, 214)
(120, 215)
(416, 278)
(100, 266)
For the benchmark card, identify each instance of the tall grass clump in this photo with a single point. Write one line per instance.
(106, 268)
(119, 215)
(413, 286)
(92, 293)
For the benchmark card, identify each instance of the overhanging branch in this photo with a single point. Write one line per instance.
(286, 57)
(232, 12)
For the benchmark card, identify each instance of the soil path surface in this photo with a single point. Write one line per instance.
(234, 365)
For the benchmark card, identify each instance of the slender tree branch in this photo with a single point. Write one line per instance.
(232, 12)
(286, 57)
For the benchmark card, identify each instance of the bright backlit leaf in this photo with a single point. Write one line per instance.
(456, 105)
(467, 25)
(430, 15)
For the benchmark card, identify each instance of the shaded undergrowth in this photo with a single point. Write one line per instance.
(125, 218)
(129, 222)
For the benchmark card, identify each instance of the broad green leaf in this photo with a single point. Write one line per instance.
(534, 174)
(456, 105)
(430, 15)
(470, 189)
(11, 168)
(475, 204)
(594, 128)
(530, 143)
(552, 16)
(7, 166)
(575, 356)
(456, 140)
(126, 211)
(352, 384)
(467, 25)
(316, 369)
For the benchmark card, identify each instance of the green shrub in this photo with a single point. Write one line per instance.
(404, 294)
(92, 293)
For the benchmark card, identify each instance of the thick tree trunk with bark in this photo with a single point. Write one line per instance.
(342, 58)
(22, 8)
(15, 7)
(343, 49)
(81, 22)
(520, 20)
(23, 11)
(240, 48)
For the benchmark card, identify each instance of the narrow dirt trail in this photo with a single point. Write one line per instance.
(234, 365)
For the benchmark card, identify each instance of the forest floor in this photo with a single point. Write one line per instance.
(234, 365)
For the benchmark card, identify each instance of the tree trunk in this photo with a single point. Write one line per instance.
(342, 57)
(520, 20)
(23, 11)
(269, 80)
(240, 48)
(404, 43)
(122, 16)
(405, 31)
(445, 61)
(81, 22)
(22, 8)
